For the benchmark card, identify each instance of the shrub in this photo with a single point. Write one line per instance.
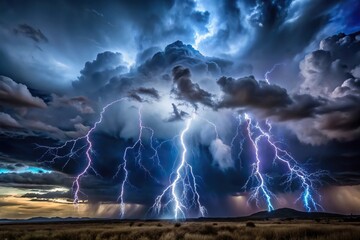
(250, 224)
(177, 224)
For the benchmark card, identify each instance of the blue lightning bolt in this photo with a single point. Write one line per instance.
(306, 179)
(183, 182)
(266, 76)
(138, 158)
(295, 171)
(256, 172)
(237, 135)
(156, 156)
(213, 125)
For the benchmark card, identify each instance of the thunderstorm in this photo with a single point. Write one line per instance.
(179, 119)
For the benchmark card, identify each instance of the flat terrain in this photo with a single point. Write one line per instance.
(167, 230)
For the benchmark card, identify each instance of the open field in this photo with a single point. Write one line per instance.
(164, 230)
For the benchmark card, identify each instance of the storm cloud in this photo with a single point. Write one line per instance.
(160, 65)
(247, 91)
(17, 94)
(97, 73)
(187, 90)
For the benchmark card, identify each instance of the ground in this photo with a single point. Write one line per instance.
(168, 230)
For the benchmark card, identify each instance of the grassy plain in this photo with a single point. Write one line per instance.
(167, 230)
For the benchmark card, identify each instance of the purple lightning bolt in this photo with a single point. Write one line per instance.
(74, 151)
(295, 171)
(256, 173)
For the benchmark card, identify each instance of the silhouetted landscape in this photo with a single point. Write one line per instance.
(283, 223)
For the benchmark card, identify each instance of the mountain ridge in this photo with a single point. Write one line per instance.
(281, 213)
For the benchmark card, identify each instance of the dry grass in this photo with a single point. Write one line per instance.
(186, 230)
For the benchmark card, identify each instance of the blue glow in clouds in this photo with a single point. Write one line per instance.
(27, 169)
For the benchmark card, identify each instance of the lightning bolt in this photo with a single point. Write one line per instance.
(139, 145)
(183, 183)
(307, 180)
(237, 135)
(156, 156)
(266, 75)
(256, 172)
(294, 170)
(56, 152)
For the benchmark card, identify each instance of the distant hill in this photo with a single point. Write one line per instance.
(45, 220)
(292, 213)
(285, 214)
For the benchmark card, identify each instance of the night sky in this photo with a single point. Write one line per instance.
(179, 108)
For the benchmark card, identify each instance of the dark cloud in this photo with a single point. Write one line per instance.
(342, 121)
(31, 180)
(151, 92)
(186, 90)
(6, 121)
(177, 115)
(302, 106)
(98, 73)
(339, 119)
(178, 53)
(135, 96)
(247, 92)
(80, 103)
(49, 195)
(28, 126)
(30, 32)
(17, 94)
